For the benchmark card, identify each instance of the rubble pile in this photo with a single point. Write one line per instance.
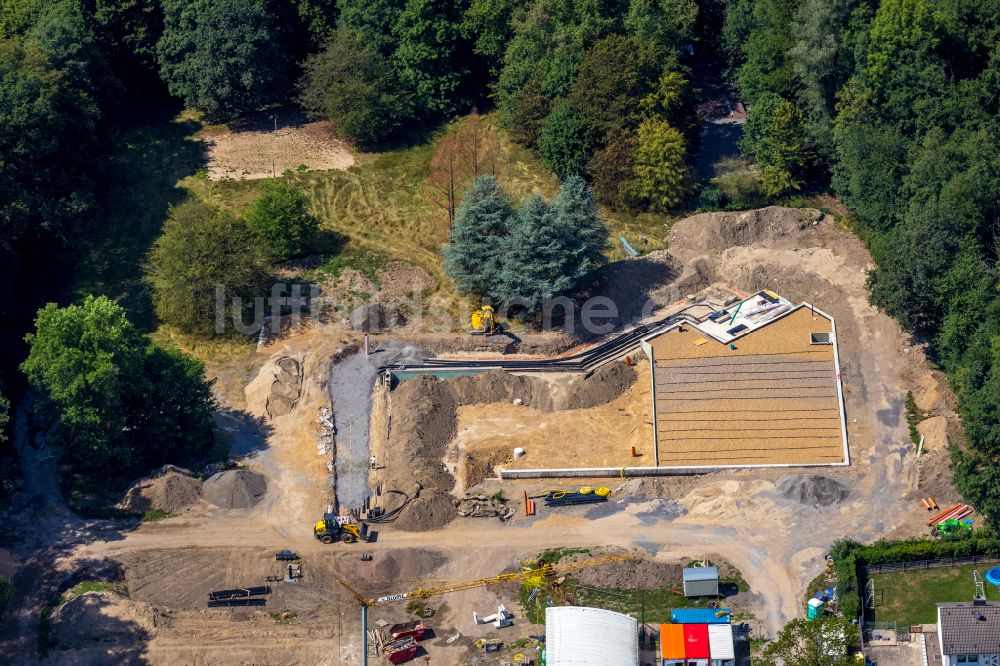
(326, 431)
(481, 506)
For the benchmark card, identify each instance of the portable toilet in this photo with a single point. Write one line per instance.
(701, 581)
(814, 609)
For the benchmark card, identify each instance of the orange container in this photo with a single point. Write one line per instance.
(672, 641)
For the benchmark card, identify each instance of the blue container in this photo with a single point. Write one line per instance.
(993, 576)
(699, 616)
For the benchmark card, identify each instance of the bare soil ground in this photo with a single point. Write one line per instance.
(260, 152)
(600, 436)
(775, 526)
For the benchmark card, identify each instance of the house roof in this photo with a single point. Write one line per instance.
(968, 628)
(700, 573)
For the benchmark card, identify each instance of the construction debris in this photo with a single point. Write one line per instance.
(500, 619)
(327, 430)
(481, 506)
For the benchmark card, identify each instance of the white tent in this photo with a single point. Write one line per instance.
(578, 636)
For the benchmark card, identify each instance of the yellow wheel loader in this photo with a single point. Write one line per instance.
(329, 530)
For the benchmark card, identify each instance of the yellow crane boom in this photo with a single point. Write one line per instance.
(544, 570)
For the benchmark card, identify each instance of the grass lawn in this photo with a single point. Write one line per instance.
(909, 597)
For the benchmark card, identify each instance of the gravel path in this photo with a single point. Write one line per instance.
(351, 383)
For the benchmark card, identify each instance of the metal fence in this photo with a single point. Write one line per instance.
(917, 565)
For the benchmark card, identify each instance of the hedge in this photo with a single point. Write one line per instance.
(848, 555)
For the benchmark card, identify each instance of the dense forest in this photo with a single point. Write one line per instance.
(891, 106)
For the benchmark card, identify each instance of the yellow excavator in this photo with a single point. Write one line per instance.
(329, 530)
(484, 322)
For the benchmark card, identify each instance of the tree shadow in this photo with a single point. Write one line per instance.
(629, 288)
(149, 154)
(244, 434)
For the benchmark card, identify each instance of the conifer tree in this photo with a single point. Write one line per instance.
(482, 223)
(576, 210)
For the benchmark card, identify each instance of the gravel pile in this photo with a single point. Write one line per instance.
(234, 489)
(813, 490)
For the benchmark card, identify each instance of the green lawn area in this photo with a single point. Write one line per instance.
(909, 597)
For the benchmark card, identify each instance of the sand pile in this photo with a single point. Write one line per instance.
(813, 490)
(423, 422)
(602, 386)
(607, 383)
(709, 233)
(234, 489)
(407, 564)
(101, 618)
(286, 387)
(171, 489)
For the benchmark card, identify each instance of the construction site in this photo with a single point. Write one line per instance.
(399, 494)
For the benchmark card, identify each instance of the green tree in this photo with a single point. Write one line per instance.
(113, 400)
(532, 269)
(904, 67)
(614, 73)
(823, 642)
(428, 53)
(575, 209)
(129, 31)
(223, 57)
(672, 99)
(354, 86)
(773, 135)
(373, 20)
(487, 23)
(47, 137)
(767, 68)
(201, 250)
(821, 64)
(736, 28)
(17, 16)
(871, 161)
(977, 477)
(525, 113)
(666, 23)
(563, 143)
(552, 248)
(65, 36)
(611, 171)
(474, 253)
(662, 176)
(280, 217)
